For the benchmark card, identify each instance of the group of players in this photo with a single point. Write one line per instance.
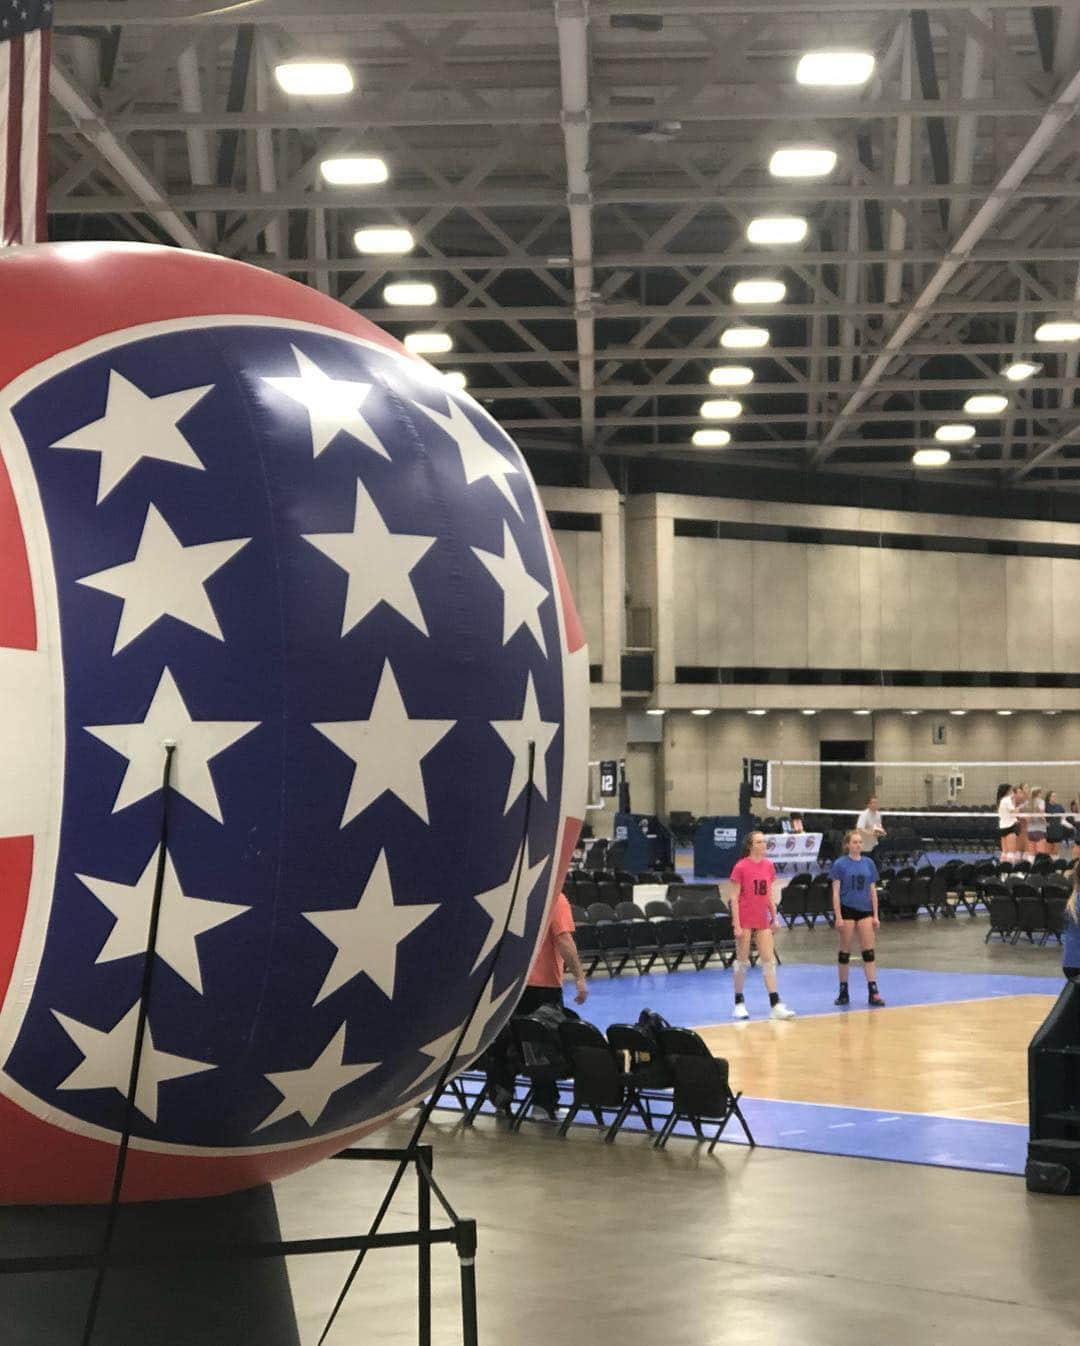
(753, 917)
(855, 900)
(1032, 822)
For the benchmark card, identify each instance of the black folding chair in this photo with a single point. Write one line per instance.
(819, 900)
(1055, 916)
(702, 1092)
(1030, 912)
(600, 1080)
(589, 948)
(612, 936)
(646, 1068)
(543, 1059)
(793, 900)
(1002, 908)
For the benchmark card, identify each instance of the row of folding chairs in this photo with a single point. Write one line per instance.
(612, 886)
(940, 892)
(1021, 910)
(664, 1077)
(690, 930)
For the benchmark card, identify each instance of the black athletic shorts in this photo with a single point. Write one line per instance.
(1071, 972)
(854, 913)
(1013, 831)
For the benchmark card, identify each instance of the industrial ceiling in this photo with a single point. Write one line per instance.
(579, 177)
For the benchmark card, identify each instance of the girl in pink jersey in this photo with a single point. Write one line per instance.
(753, 916)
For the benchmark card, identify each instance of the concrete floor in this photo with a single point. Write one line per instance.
(583, 1242)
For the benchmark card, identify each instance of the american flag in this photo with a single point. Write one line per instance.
(25, 38)
(329, 578)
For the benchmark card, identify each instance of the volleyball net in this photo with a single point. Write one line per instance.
(929, 789)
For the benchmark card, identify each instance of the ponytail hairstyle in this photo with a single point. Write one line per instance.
(1002, 791)
(748, 842)
(1072, 907)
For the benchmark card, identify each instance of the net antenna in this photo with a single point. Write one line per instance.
(930, 788)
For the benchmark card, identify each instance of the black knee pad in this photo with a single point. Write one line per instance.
(868, 955)
(843, 958)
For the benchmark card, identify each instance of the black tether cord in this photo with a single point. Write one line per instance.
(428, 1107)
(136, 1058)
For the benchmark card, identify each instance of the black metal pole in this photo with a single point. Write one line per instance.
(423, 1251)
(467, 1255)
(136, 1055)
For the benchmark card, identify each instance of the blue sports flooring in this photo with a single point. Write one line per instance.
(702, 998)
(904, 1137)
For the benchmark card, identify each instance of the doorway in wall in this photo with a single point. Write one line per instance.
(848, 786)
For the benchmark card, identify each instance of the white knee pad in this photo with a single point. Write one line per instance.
(742, 965)
(768, 965)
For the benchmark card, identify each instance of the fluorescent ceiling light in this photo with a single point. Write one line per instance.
(455, 378)
(428, 343)
(758, 292)
(710, 439)
(745, 338)
(809, 712)
(1021, 369)
(354, 172)
(931, 457)
(722, 409)
(314, 79)
(1058, 331)
(1051, 712)
(410, 294)
(757, 712)
(654, 712)
(777, 229)
(957, 712)
(860, 712)
(1004, 712)
(731, 376)
(802, 162)
(838, 69)
(909, 712)
(954, 434)
(389, 241)
(701, 711)
(986, 404)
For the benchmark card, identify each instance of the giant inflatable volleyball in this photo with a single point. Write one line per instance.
(237, 517)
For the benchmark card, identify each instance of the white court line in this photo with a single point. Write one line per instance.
(879, 1120)
(839, 1126)
(791, 1133)
(852, 1107)
(975, 1107)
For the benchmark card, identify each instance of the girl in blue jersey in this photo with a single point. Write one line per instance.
(855, 907)
(1070, 939)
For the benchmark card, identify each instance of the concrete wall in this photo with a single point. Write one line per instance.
(772, 604)
(731, 603)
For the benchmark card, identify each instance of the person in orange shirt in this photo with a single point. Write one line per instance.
(556, 952)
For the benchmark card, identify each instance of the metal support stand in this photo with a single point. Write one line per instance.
(157, 1248)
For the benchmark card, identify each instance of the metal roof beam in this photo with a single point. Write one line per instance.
(1054, 119)
(572, 25)
(103, 13)
(515, 260)
(149, 198)
(403, 198)
(377, 116)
